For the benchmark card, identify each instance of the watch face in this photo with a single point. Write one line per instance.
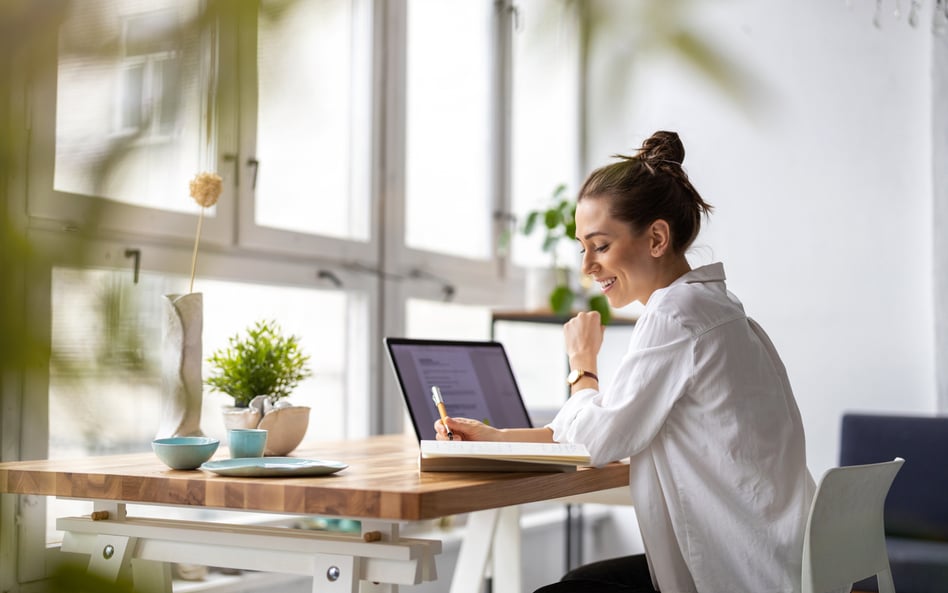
(573, 376)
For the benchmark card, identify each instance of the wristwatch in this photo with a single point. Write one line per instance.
(577, 374)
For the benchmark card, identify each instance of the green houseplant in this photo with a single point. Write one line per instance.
(264, 362)
(259, 371)
(557, 222)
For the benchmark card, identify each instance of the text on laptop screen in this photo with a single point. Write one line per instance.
(475, 380)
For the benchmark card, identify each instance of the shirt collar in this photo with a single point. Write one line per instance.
(709, 273)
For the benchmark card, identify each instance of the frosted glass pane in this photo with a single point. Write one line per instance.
(105, 377)
(105, 384)
(545, 132)
(446, 321)
(447, 186)
(312, 118)
(131, 119)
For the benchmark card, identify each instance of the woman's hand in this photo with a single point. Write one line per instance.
(465, 429)
(583, 334)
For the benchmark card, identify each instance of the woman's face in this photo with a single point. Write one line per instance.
(619, 260)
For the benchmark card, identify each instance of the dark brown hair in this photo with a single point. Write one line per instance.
(650, 186)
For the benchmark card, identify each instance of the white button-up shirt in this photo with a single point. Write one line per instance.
(702, 406)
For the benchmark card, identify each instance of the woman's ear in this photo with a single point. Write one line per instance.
(659, 234)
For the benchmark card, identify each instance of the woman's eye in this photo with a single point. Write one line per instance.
(601, 248)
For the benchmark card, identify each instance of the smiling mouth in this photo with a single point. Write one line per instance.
(606, 284)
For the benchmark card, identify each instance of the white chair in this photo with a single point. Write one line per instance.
(845, 539)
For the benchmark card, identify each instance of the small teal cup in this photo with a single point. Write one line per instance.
(247, 442)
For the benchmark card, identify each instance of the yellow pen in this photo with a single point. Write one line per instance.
(439, 401)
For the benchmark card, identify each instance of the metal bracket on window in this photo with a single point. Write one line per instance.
(447, 289)
(514, 11)
(137, 255)
(252, 162)
(327, 275)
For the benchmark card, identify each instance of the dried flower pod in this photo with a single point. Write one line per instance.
(206, 188)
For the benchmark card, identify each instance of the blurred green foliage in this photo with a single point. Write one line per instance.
(21, 21)
(73, 578)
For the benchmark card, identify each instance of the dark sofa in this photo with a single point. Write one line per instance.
(916, 509)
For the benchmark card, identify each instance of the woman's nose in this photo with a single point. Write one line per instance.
(589, 263)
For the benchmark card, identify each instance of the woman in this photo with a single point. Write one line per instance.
(701, 403)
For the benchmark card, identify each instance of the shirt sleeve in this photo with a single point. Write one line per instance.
(653, 376)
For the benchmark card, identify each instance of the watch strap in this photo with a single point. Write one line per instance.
(579, 374)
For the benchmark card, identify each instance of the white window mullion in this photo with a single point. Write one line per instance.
(390, 54)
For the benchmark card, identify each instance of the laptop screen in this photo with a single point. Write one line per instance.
(475, 380)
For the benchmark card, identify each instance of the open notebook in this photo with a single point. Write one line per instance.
(491, 456)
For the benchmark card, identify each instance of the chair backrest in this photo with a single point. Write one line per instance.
(845, 535)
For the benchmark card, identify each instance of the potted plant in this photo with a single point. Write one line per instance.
(557, 222)
(259, 370)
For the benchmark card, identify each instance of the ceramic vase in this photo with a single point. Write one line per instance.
(181, 358)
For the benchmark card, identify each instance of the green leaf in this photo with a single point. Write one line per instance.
(561, 300)
(531, 222)
(551, 218)
(550, 241)
(601, 304)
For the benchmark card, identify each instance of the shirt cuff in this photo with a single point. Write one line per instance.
(561, 422)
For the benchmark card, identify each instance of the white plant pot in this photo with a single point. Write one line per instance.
(235, 417)
(540, 283)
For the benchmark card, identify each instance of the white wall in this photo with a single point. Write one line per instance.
(940, 170)
(823, 194)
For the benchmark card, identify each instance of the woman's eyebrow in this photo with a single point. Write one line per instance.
(589, 236)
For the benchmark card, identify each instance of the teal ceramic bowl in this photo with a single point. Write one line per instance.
(184, 452)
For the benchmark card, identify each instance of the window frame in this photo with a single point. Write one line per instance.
(92, 214)
(383, 268)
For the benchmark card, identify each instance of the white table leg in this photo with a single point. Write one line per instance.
(475, 551)
(151, 577)
(506, 552)
(112, 557)
(389, 533)
(335, 574)
(117, 564)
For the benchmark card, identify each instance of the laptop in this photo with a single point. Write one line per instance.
(475, 379)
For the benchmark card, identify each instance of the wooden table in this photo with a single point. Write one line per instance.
(382, 487)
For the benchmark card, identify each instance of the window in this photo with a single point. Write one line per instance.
(448, 122)
(365, 148)
(312, 155)
(130, 122)
(545, 123)
(151, 62)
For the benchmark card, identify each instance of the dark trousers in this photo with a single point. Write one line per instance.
(628, 574)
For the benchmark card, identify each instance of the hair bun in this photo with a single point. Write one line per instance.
(662, 146)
